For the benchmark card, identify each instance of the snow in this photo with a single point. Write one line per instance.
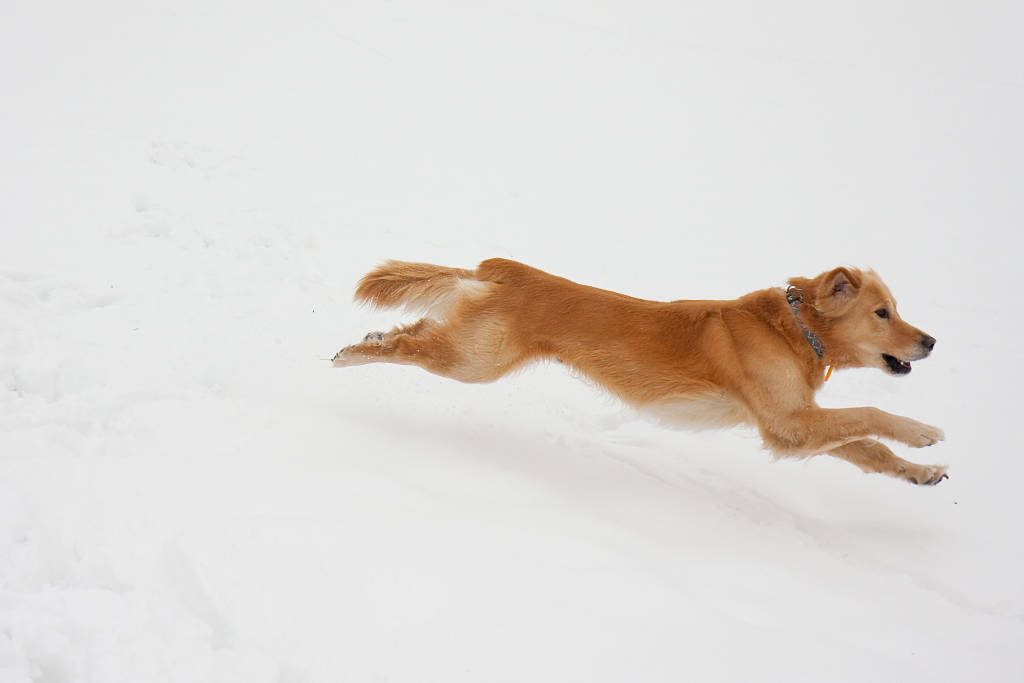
(189, 191)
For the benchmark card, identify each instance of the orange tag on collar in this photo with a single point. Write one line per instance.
(828, 373)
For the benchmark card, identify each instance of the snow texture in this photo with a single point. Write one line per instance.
(189, 191)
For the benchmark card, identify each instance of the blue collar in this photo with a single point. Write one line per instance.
(794, 299)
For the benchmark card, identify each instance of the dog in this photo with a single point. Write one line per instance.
(757, 360)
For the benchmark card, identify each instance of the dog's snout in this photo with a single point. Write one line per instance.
(927, 341)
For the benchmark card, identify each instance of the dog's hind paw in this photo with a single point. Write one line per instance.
(338, 358)
(366, 351)
(376, 338)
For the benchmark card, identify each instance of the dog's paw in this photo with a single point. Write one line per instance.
(366, 351)
(926, 475)
(929, 435)
(918, 434)
(338, 360)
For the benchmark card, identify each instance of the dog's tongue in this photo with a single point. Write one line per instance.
(905, 364)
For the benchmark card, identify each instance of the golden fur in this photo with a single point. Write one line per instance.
(698, 363)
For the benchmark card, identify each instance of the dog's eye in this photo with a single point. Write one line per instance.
(882, 313)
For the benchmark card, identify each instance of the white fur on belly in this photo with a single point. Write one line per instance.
(706, 411)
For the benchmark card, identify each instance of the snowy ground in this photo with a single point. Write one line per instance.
(189, 190)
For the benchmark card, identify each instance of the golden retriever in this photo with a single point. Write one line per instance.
(757, 360)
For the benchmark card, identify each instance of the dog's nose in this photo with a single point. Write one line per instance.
(927, 342)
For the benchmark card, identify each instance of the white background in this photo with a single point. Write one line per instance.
(189, 190)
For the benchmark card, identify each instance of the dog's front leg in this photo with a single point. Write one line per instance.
(873, 456)
(812, 430)
(909, 431)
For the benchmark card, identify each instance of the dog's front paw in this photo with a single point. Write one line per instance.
(918, 434)
(925, 475)
(929, 435)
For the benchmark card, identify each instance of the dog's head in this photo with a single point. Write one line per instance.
(860, 321)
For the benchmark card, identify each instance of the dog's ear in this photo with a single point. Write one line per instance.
(830, 293)
(836, 290)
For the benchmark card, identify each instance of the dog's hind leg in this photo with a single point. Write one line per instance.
(873, 456)
(405, 344)
(468, 353)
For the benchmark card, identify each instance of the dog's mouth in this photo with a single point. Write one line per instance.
(896, 366)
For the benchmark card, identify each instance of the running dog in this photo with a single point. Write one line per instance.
(756, 360)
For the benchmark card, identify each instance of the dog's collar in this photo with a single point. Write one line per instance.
(794, 298)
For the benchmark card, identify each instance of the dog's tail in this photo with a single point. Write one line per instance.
(419, 287)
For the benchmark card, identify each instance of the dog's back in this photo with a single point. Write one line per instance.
(491, 320)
